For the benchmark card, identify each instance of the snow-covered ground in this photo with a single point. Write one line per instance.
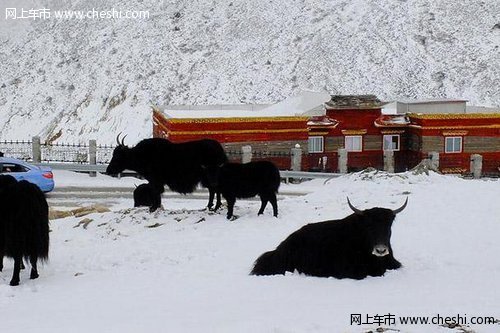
(186, 270)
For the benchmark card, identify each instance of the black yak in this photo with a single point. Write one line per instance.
(147, 195)
(354, 247)
(24, 225)
(177, 165)
(235, 181)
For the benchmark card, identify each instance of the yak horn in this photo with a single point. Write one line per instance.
(357, 211)
(123, 140)
(118, 138)
(395, 211)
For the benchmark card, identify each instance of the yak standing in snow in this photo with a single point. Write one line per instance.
(148, 196)
(235, 180)
(354, 247)
(24, 225)
(177, 165)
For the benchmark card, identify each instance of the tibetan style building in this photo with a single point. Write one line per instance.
(324, 124)
(271, 135)
(456, 137)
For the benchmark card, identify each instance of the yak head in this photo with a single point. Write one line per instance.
(120, 159)
(376, 226)
(211, 174)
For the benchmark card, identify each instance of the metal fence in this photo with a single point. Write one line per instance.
(17, 149)
(57, 152)
(234, 154)
(64, 152)
(104, 153)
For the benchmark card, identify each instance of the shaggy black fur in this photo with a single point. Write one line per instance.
(24, 225)
(177, 165)
(147, 195)
(234, 181)
(338, 248)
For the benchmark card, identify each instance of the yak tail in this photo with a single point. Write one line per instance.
(277, 181)
(39, 225)
(44, 241)
(43, 234)
(269, 263)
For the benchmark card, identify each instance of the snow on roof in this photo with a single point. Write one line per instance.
(322, 121)
(390, 108)
(213, 111)
(303, 103)
(391, 120)
(431, 101)
(296, 105)
(481, 109)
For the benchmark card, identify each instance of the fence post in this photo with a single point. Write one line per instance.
(389, 161)
(92, 155)
(36, 148)
(476, 165)
(296, 164)
(342, 155)
(246, 154)
(434, 160)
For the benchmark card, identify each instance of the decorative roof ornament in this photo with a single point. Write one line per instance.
(392, 120)
(322, 121)
(354, 102)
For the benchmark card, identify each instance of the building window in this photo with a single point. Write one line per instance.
(316, 144)
(391, 142)
(453, 144)
(354, 143)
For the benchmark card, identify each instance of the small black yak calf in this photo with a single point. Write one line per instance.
(148, 196)
(354, 247)
(177, 165)
(236, 181)
(24, 225)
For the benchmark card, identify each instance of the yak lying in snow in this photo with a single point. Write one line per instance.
(234, 180)
(148, 196)
(354, 247)
(24, 225)
(177, 165)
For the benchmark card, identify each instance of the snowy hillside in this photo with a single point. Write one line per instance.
(91, 78)
(184, 270)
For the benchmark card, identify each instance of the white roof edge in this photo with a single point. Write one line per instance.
(431, 100)
(481, 109)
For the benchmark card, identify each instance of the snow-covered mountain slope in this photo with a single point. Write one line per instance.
(91, 78)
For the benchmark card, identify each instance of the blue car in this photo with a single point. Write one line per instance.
(40, 176)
